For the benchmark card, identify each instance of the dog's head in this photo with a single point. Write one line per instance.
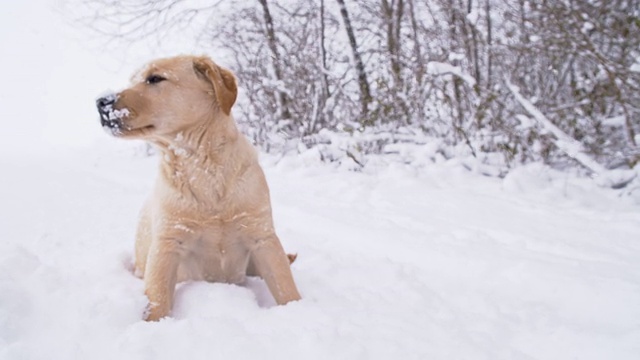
(167, 96)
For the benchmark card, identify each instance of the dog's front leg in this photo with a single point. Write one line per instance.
(272, 264)
(160, 276)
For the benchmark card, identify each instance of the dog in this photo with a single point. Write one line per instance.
(209, 216)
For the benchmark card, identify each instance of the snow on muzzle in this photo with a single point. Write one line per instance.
(110, 118)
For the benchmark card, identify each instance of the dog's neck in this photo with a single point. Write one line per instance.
(197, 160)
(210, 139)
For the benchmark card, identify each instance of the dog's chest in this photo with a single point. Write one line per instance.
(194, 178)
(214, 255)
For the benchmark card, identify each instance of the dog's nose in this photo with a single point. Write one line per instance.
(103, 102)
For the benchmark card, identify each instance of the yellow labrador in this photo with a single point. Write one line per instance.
(209, 217)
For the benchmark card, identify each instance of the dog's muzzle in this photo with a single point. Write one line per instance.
(110, 118)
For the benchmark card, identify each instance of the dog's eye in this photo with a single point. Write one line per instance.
(154, 79)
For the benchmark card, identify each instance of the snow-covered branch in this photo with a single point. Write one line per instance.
(440, 68)
(573, 148)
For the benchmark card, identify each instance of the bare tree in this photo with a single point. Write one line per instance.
(363, 83)
(282, 97)
(435, 66)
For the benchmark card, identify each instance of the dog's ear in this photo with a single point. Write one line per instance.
(222, 80)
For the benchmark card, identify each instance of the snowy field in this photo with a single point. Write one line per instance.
(440, 264)
(394, 263)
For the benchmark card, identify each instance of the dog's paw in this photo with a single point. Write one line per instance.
(153, 312)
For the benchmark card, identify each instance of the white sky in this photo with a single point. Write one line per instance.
(51, 74)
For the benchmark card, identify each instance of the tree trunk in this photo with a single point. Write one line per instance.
(392, 18)
(419, 65)
(417, 51)
(474, 43)
(318, 115)
(392, 13)
(456, 107)
(323, 53)
(487, 10)
(363, 83)
(281, 96)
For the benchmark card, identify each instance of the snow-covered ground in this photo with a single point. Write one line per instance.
(440, 264)
(435, 263)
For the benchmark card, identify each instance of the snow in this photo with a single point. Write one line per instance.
(440, 68)
(616, 121)
(587, 27)
(456, 56)
(392, 263)
(473, 16)
(604, 177)
(394, 260)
